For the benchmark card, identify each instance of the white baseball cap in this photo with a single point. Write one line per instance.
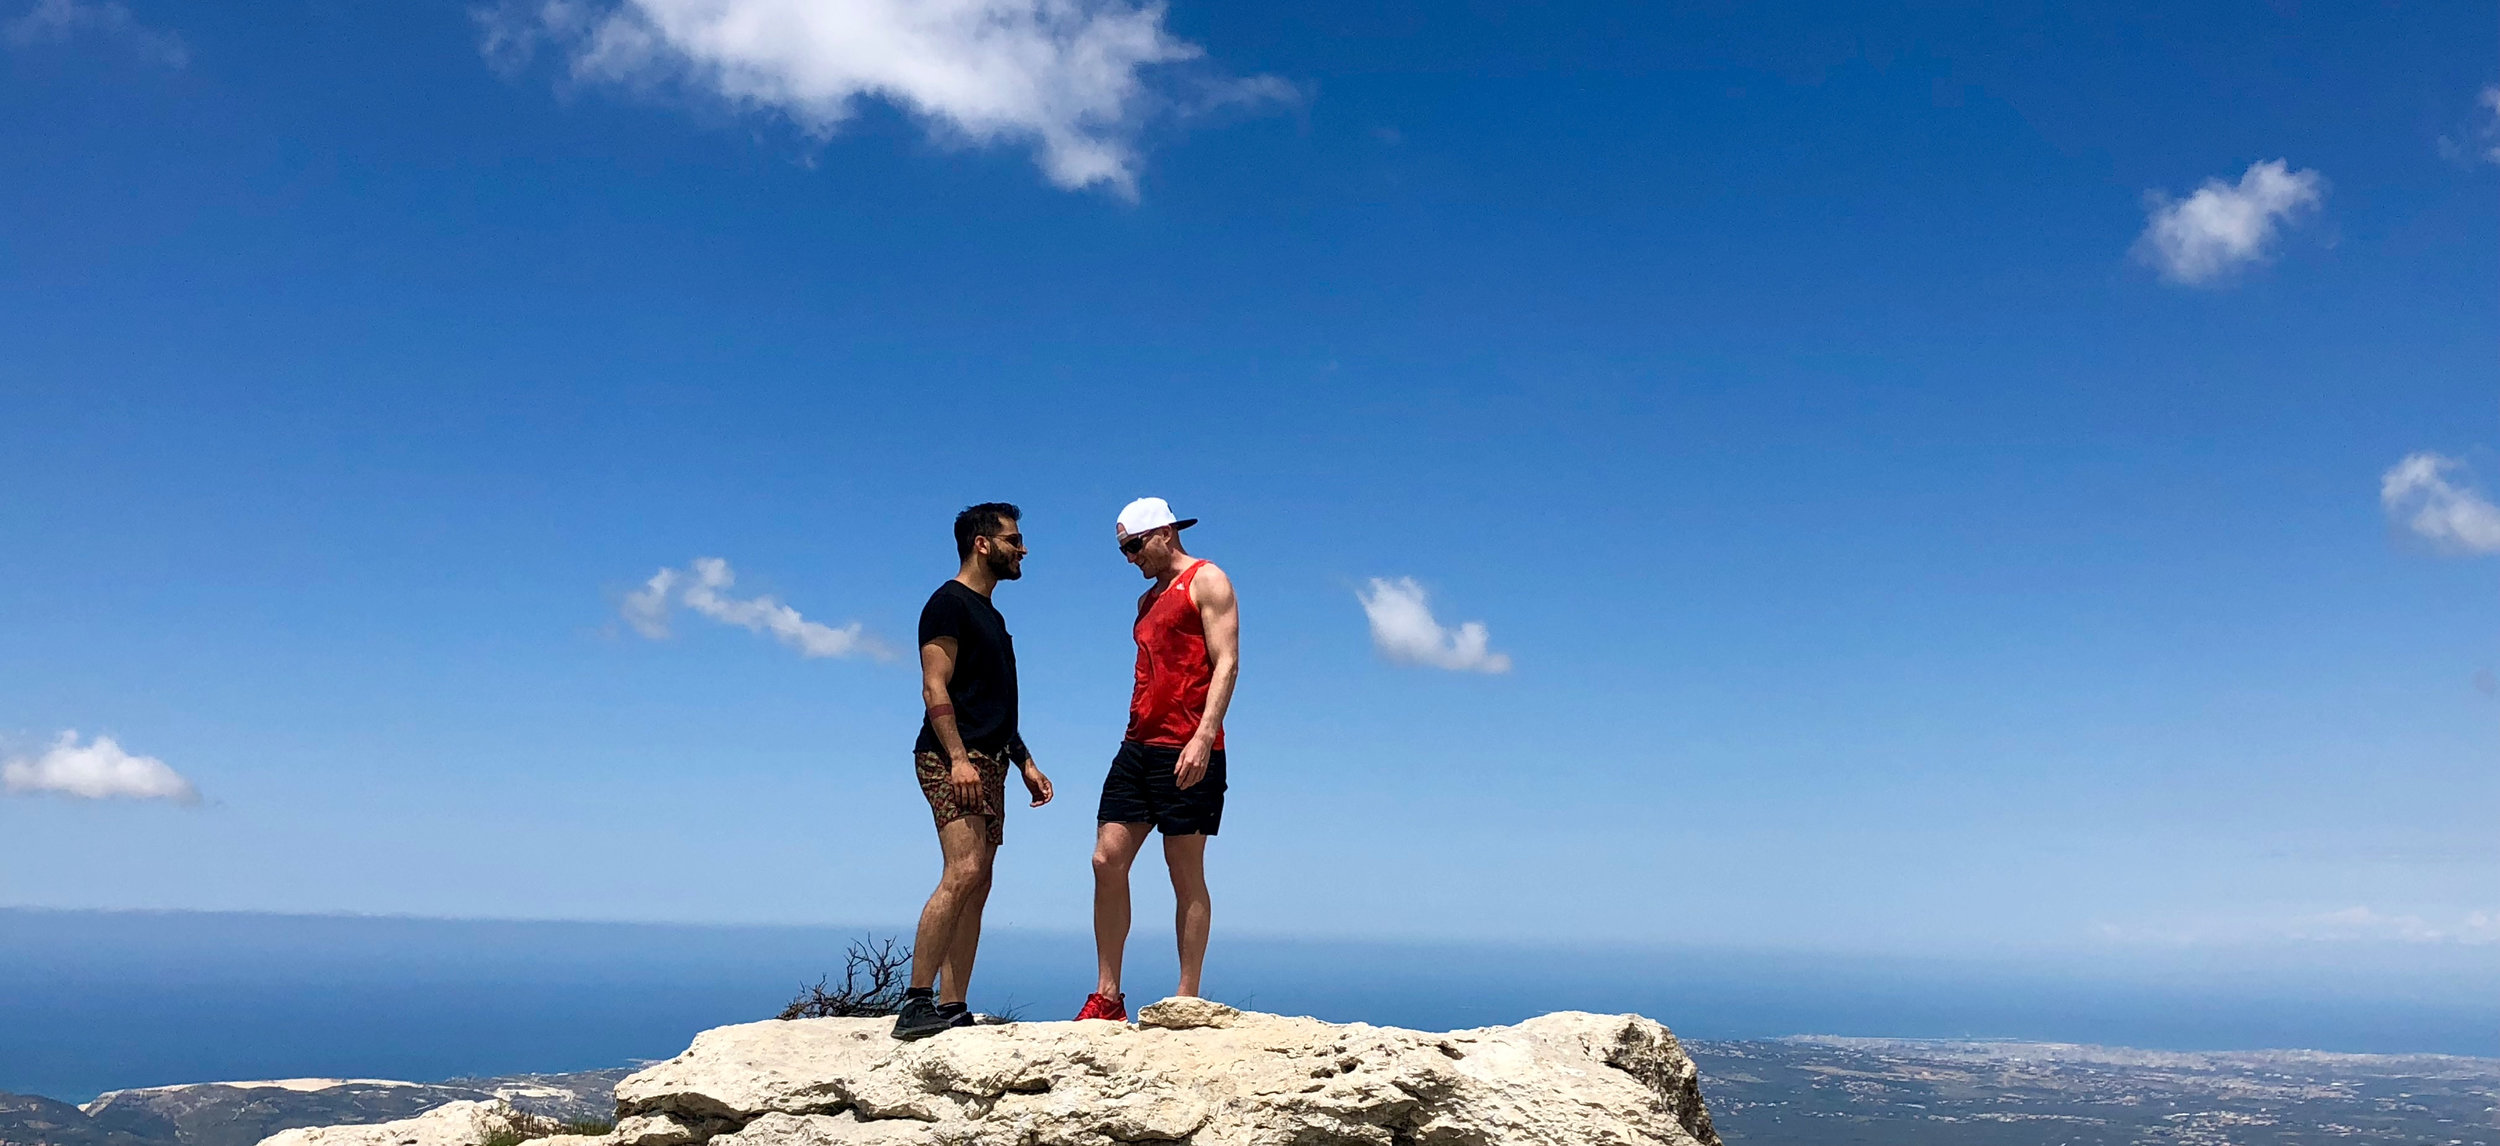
(1148, 513)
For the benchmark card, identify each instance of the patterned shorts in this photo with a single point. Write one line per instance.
(934, 771)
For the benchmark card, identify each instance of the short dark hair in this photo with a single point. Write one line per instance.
(984, 520)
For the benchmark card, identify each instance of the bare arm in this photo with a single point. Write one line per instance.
(937, 670)
(1219, 615)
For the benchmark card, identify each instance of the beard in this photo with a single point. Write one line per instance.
(1006, 568)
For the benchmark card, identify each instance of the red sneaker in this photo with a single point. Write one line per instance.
(1114, 1008)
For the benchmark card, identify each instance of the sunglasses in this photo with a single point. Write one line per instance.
(1014, 539)
(1132, 545)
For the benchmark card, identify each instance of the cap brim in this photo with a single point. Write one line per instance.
(1185, 523)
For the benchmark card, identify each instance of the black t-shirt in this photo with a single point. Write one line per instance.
(984, 687)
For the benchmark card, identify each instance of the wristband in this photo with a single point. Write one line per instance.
(938, 710)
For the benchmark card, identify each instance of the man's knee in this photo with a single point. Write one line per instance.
(1110, 864)
(967, 875)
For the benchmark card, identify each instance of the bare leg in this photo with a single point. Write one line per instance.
(966, 844)
(1192, 911)
(1115, 848)
(957, 978)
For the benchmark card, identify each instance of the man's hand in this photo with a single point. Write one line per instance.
(1192, 766)
(1036, 783)
(967, 782)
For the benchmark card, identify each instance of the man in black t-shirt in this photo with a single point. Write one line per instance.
(967, 741)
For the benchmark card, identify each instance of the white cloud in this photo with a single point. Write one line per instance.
(99, 770)
(2419, 494)
(2222, 228)
(1066, 77)
(1404, 631)
(55, 21)
(646, 609)
(702, 589)
(2482, 140)
(2485, 144)
(2490, 102)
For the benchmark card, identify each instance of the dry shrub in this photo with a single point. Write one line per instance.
(874, 973)
(526, 1126)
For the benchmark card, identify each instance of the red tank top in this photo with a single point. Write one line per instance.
(1173, 670)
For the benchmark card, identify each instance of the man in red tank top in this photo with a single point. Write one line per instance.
(1169, 772)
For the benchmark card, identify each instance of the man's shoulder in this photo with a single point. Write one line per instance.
(946, 608)
(958, 600)
(1208, 577)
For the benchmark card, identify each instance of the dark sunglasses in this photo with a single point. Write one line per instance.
(1132, 545)
(1015, 539)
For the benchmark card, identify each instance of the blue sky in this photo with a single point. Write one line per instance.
(1894, 549)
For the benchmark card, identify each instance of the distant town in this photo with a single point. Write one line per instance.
(1882, 1092)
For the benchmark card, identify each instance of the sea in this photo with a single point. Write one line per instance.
(95, 1001)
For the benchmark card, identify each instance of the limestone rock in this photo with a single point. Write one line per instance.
(467, 1123)
(829, 1130)
(732, 1074)
(1183, 1013)
(657, 1130)
(1636, 1046)
(1198, 1073)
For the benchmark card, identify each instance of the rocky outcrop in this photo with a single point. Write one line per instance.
(1190, 1072)
(451, 1124)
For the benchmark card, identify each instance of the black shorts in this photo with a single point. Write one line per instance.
(1139, 790)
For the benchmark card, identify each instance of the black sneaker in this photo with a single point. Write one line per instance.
(919, 1019)
(956, 1014)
